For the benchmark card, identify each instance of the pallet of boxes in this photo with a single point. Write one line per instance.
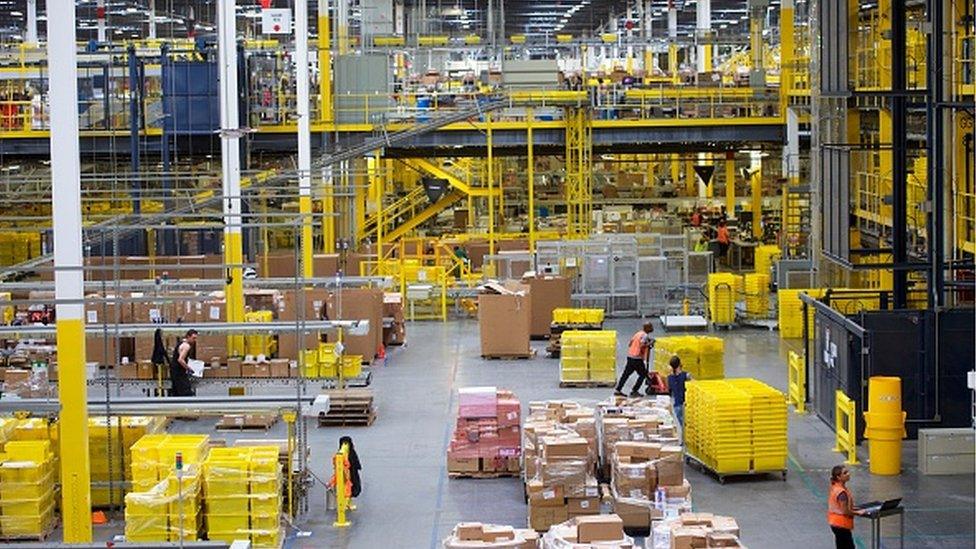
(643, 460)
(694, 530)
(565, 319)
(490, 536)
(586, 532)
(560, 444)
(487, 437)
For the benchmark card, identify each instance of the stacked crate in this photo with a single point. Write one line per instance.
(791, 312)
(161, 507)
(242, 491)
(564, 316)
(769, 423)
(736, 426)
(122, 433)
(722, 291)
(487, 436)
(256, 343)
(701, 356)
(588, 356)
(326, 362)
(27, 495)
(766, 255)
(757, 294)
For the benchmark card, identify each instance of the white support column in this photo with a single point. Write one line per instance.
(68, 276)
(230, 156)
(30, 34)
(304, 134)
(703, 24)
(100, 14)
(647, 32)
(630, 37)
(673, 41)
(343, 7)
(791, 153)
(615, 47)
(152, 19)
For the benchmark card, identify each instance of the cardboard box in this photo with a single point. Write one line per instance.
(670, 471)
(564, 447)
(718, 539)
(469, 531)
(262, 369)
(504, 319)
(279, 367)
(249, 368)
(583, 505)
(546, 293)
(641, 450)
(127, 370)
(145, 369)
(494, 533)
(632, 515)
(235, 368)
(211, 346)
(359, 304)
(599, 528)
(689, 537)
(545, 496)
(541, 518)
(463, 465)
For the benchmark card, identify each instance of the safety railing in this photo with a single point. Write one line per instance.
(845, 425)
(797, 385)
(686, 103)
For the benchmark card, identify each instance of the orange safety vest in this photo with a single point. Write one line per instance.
(837, 513)
(636, 348)
(723, 235)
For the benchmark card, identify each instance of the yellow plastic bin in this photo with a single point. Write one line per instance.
(884, 425)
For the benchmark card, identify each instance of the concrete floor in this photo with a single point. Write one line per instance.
(409, 502)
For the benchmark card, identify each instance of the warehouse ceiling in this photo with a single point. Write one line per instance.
(126, 19)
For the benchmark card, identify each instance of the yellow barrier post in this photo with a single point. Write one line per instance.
(844, 422)
(342, 498)
(797, 386)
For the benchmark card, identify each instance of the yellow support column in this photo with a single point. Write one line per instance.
(673, 62)
(675, 170)
(304, 138)
(491, 187)
(325, 63)
(379, 189)
(710, 188)
(68, 275)
(691, 183)
(730, 183)
(328, 214)
(530, 147)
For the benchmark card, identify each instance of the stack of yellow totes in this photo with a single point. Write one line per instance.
(27, 493)
(242, 491)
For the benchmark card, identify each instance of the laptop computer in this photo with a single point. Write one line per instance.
(878, 506)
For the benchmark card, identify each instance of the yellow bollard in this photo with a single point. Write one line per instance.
(884, 425)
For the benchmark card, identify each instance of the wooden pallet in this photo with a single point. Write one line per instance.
(349, 407)
(585, 384)
(515, 356)
(721, 477)
(246, 422)
(483, 474)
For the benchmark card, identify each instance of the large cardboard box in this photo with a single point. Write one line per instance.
(632, 515)
(504, 318)
(599, 528)
(359, 304)
(290, 343)
(280, 265)
(541, 518)
(546, 293)
(107, 349)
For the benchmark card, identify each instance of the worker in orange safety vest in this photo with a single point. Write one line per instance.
(840, 508)
(638, 350)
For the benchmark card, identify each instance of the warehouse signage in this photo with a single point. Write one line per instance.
(276, 21)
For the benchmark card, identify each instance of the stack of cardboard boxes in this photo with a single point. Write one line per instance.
(591, 531)
(560, 455)
(640, 452)
(396, 332)
(695, 530)
(475, 534)
(547, 293)
(487, 438)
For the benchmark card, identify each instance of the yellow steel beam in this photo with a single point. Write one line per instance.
(325, 64)
(730, 183)
(531, 177)
(422, 216)
(491, 185)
